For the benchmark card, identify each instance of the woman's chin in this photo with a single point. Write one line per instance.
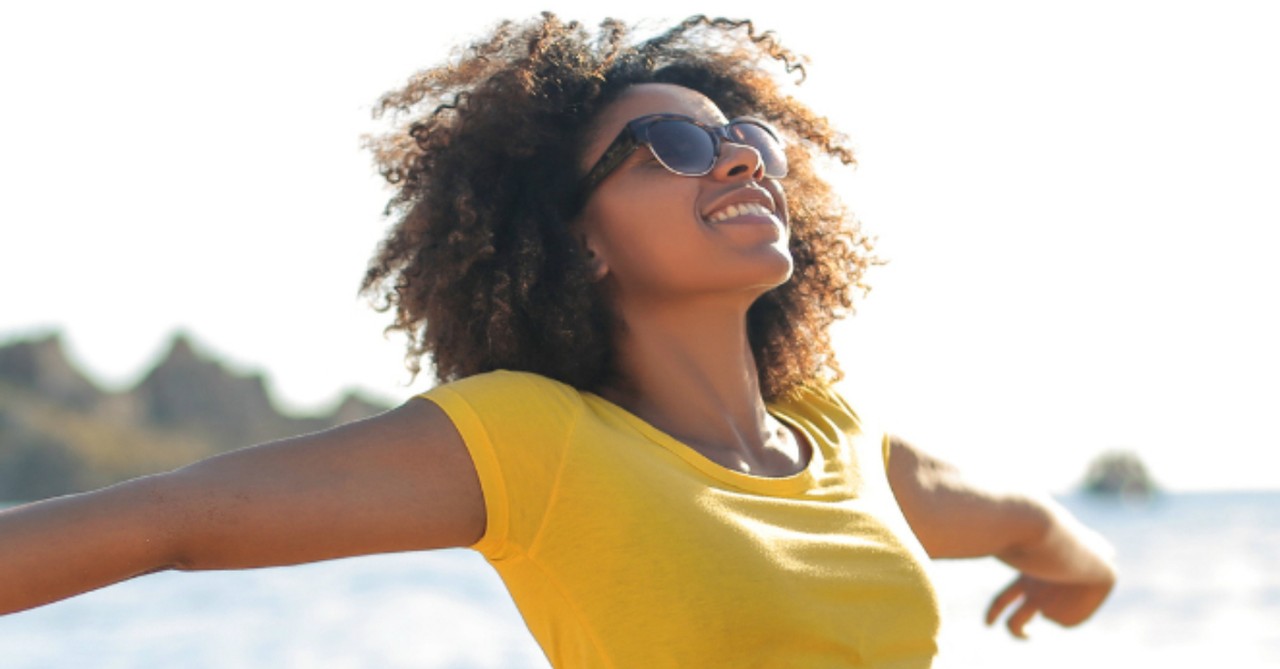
(772, 271)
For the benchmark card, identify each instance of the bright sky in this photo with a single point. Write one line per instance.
(1079, 201)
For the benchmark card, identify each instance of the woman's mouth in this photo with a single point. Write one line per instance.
(735, 210)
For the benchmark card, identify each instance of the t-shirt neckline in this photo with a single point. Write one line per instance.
(770, 485)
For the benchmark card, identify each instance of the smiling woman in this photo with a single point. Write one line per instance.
(626, 296)
(491, 217)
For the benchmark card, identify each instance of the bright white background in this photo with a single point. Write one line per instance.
(1079, 201)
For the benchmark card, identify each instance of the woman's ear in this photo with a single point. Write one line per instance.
(595, 259)
(591, 248)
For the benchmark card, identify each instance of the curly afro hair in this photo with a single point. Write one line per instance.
(482, 269)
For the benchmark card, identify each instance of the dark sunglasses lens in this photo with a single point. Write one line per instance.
(760, 139)
(683, 147)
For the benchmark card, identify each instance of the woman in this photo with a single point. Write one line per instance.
(623, 267)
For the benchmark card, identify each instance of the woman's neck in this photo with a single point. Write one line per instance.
(690, 372)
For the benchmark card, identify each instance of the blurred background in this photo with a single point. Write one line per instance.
(1077, 203)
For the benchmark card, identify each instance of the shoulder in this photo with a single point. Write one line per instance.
(504, 379)
(508, 390)
(822, 405)
(825, 408)
(509, 409)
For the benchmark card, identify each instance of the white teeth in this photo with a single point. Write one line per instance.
(752, 208)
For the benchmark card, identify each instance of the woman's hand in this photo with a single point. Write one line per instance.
(1067, 573)
(1067, 604)
(1066, 569)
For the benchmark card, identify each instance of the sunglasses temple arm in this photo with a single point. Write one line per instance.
(612, 158)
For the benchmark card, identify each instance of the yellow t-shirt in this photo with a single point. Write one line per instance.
(624, 548)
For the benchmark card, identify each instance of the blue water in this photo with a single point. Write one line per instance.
(1200, 586)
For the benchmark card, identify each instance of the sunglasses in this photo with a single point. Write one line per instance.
(688, 148)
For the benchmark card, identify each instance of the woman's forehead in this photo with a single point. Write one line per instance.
(643, 99)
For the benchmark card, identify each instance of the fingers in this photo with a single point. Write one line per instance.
(1020, 618)
(1022, 615)
(1064, 603)
(1006, 597)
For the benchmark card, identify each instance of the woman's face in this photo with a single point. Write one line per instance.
(654, 234)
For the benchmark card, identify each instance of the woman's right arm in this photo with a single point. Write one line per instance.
(399, 481)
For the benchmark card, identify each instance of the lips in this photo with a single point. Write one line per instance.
(741, 202)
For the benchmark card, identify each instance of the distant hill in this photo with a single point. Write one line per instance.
(61, 433)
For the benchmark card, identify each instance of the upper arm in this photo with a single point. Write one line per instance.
(951, 516)
(399, 481)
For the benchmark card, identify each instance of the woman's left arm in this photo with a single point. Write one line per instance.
(1066, 568)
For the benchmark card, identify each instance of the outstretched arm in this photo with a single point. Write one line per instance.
(1066, 569)
(399, 481)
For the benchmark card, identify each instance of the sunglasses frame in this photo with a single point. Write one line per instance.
(636, 134)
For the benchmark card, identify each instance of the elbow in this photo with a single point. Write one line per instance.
(1028, 527)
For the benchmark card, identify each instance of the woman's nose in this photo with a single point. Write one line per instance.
(738, 161)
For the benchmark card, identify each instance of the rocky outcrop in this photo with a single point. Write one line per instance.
(1119, 474)
(41, 365)
(192, 392)
(60, 433)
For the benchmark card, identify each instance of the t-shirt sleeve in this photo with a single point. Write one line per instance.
(516, 427)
